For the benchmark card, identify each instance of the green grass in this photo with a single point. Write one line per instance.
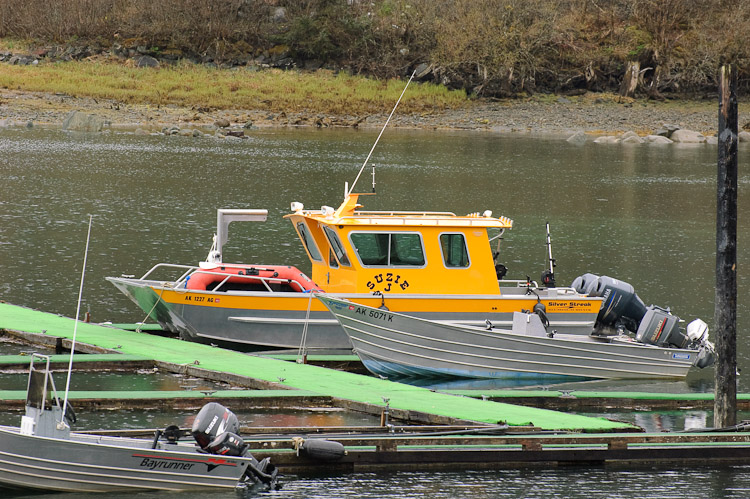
(193, 85)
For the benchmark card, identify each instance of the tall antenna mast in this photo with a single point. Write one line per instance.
(376, 140)
(75, 327)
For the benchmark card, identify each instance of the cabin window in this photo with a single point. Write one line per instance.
(309, 242)
(455, 253)
(332, 262)
(337, 247)
(388, 249)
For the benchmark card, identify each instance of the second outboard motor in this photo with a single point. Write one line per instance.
(659, 327)
(216, 430)
(620, 301)
(213, 420)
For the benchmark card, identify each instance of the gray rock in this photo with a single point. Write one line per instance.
(222, 123)
(667, 130)
(140, 131)
(657, 139)
(146, 61)
(606, 139)
(628, 135)
(713, 140)
(279, 15)
(743, 136)
(631, 139)
(578, 138)
(81, 122)
(422, 70)
(688, 136)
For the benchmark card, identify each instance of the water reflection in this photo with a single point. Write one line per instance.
(633, 481)
(697, 381)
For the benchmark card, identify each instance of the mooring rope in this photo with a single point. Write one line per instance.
(138, 328)
(303, 342)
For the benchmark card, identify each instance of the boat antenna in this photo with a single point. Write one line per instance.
(548, 276)
(75, 327)
(378, 139)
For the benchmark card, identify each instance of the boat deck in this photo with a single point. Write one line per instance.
(353, 391)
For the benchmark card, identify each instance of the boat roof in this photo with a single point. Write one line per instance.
(347, 214)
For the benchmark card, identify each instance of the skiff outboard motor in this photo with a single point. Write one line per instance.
(216, 430)
(213, 420)
(621, 306)
(659, 327)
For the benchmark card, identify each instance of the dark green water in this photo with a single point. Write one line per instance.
(643, 214)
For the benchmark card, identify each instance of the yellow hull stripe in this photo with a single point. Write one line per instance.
(395, 303)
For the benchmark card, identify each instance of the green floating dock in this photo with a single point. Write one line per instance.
(349, 387)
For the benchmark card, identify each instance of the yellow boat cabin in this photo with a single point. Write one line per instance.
(356, 251)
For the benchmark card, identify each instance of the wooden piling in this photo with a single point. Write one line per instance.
(725, 305)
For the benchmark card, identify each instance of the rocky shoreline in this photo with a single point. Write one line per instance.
(592, 115)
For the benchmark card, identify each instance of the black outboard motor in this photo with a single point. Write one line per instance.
(216, 430)
(620, 304)
(213, 420)
(227, 444)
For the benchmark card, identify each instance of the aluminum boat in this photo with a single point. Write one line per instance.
(393, 344)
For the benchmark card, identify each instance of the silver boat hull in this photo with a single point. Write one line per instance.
(394, 344)
(281, 320)
(88, 463)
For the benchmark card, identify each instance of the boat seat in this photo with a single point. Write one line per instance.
(35, 395)
(528, 324)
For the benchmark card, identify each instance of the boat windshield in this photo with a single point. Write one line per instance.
(309, 242)
(337, 247)
(384, 249)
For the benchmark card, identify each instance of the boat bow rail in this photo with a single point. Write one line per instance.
(227, 273)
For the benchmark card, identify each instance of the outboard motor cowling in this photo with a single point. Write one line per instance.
(213, 420)
(227, 444)
(620, 303)
(659, 327)
(582, 283)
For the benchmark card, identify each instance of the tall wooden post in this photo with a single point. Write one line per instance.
(725, 308)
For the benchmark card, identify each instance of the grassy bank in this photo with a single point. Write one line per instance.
(198, 86)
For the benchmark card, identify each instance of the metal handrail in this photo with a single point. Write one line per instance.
(521, 283)
(189, 268)
(192, 270)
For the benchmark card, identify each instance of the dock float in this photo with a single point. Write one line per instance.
(352, 391)
(586, 401)
(473, 451)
